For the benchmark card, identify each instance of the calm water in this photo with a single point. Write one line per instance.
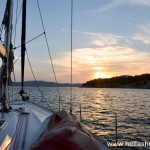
(99, 107)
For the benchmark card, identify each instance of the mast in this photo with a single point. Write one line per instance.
(23, 48)
(7, 22)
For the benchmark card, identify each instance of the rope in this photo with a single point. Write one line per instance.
(25, 131)
(17, 59)
(21, 124)
(48, 48)
(14, 30)
(18, 131)
(71, 58)
(34, 78)
(30, 40)
(26, 43)
(17, 18)
(15, 24)
(1, 30)
(36, 81)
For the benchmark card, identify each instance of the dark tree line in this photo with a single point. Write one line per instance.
(137, 81)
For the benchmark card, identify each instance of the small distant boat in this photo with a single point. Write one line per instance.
(28, 126)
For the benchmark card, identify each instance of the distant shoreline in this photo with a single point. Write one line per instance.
(46, 84)
(113, 88)
(130, 82)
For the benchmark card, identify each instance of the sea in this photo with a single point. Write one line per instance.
(109, 113)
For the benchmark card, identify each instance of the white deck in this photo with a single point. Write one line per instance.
(23, 124)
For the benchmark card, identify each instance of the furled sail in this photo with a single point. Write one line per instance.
(2, 51)
(64, 132)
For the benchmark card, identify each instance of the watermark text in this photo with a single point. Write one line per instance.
(129, 144)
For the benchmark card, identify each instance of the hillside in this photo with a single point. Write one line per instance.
(45, 84)
(138, 81)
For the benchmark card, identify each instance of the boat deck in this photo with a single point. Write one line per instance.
(20, 126)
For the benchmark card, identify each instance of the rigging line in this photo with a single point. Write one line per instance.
(1, 28)
(17, 59)
(14, 30)
(71, 58)
(30, 40)
(36, 81)
(48, 48)
(14, 75)
(15, 24)
(17, 18)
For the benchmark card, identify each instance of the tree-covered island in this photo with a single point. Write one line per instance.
(124, 81)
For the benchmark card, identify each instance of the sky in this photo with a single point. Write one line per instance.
(110, 38)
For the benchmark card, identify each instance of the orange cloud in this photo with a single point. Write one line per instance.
(111, 60)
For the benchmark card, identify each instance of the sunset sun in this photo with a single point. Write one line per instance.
(100, 75)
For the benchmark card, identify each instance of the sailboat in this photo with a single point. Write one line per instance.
(27, 126)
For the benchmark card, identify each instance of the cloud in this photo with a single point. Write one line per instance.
(105, 40)
(111, 60)
(141, 37)
(109, 6)
(102, 39)
(145, 28)
(116, 3)
(144, 34)
(106, 53)
(140, 2)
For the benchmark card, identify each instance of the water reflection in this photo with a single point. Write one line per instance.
(98, 107)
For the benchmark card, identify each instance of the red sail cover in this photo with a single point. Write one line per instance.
(64, 132)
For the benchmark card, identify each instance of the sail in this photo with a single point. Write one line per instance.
(64, 131)
(2, 51)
